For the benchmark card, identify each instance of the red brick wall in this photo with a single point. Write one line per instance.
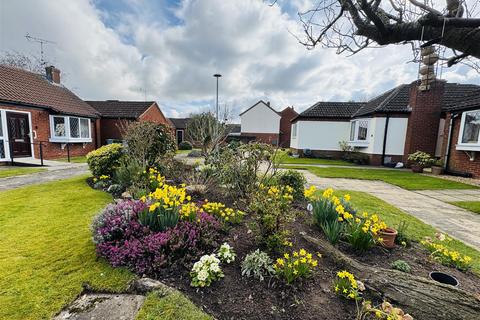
(422, 130)
(41, 125)
(271, 138)
(154, 114)
(286, 126)
(458, 160)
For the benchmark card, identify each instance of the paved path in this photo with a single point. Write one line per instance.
(51, 174)
(457, 222)
(452, 195)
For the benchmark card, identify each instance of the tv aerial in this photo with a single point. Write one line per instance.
(42, 42)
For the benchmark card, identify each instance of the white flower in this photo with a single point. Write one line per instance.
(309, 207)
(202, 275)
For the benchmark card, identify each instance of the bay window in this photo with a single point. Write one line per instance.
(70, 129)
(469, 137)
(359, 132)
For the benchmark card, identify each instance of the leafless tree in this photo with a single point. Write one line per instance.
(350, 26)
(205, 131)
(22, 61)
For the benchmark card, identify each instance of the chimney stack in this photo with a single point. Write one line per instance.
(53, 74)
(427, 71)
(268, 103)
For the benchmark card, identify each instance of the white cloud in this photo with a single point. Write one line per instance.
(247, 41)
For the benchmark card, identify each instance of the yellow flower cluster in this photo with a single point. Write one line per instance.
(310, 192)
(346, 285)
(279, 193)
(104, 177)
(189, 211)
(167, 196)
(342, 214)
(446, 256)
(372, 223)
(219, 210)
(295, 265)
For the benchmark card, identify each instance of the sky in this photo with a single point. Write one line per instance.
(168, 51)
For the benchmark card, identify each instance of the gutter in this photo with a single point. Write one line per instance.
(385, 139)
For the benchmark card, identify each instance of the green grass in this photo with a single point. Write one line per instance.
(186, 151)
(416, 230)
(46, 252)
(15, 171)
(171, 307)
(404, 179)
(78, 159)
(283, 158)
(473, 206)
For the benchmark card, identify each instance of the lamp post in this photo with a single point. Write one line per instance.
(217, 75)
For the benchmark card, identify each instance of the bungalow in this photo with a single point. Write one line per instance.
(115, 115)
(461, 136)
(39, 115)
(263, 123)
(387, 128)
(180, 127)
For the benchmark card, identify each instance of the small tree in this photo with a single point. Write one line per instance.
(206, 131)
(148, 142)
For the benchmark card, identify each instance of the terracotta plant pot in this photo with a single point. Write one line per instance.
(437, 170)
(388, 236)
(417, 168)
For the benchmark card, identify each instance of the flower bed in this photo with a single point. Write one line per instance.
(249, 260)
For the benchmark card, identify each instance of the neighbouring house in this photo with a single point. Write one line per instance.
(116, 115)
(262, 123)
(461, 136)
(180, 127)
(38, 115)
(387, 128)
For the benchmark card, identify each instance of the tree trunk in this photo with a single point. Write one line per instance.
(422, 298)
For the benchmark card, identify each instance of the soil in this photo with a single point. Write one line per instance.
(236, 297)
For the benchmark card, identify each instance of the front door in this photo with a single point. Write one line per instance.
(179, 136)
(19, 134)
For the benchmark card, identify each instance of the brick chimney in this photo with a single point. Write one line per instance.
(53, 74)
(426, 108)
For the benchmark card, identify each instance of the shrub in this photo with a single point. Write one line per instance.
(441, 253)
(242, 168)
(104, 160)
(258, 265)
(272, 209)
(164, 206)
(185, 145)
(401, 265)
(294, 179)
(295, 265)
(205, 131)
(129, 172)
(123, 241)
(148, 142)
(421, 158)
(205, 271)
(226, 253)
(345, 285)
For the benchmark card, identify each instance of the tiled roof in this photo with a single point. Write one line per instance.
(28, 88)
(471, 101)
(393, 100)
(121, 109)
(179, 123)
(331, 110)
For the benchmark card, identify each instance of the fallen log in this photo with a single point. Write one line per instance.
(422, 298)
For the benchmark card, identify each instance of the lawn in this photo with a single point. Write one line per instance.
(283, 158)
(46, 252)
(416, 230)
(16, 171)
(473, 206)
(78, 159)
(185, 151)
(404, 179)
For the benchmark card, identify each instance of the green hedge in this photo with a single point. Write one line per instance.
(105, 160)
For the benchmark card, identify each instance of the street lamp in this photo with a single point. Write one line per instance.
(217, 75)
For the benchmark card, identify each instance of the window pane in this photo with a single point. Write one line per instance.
(294, 130)
(2, 149)
(59, 126)
(1, 129)
(471, 128)
(74, 128)
(352, 131)
(84, 128)
(362, 129)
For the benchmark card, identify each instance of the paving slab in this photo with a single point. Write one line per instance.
(425, 205)
(100, 306)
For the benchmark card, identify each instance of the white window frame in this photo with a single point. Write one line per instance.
(462, 145)
(67, 137)
(356, 142)
(6, 138)
(294, 130)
